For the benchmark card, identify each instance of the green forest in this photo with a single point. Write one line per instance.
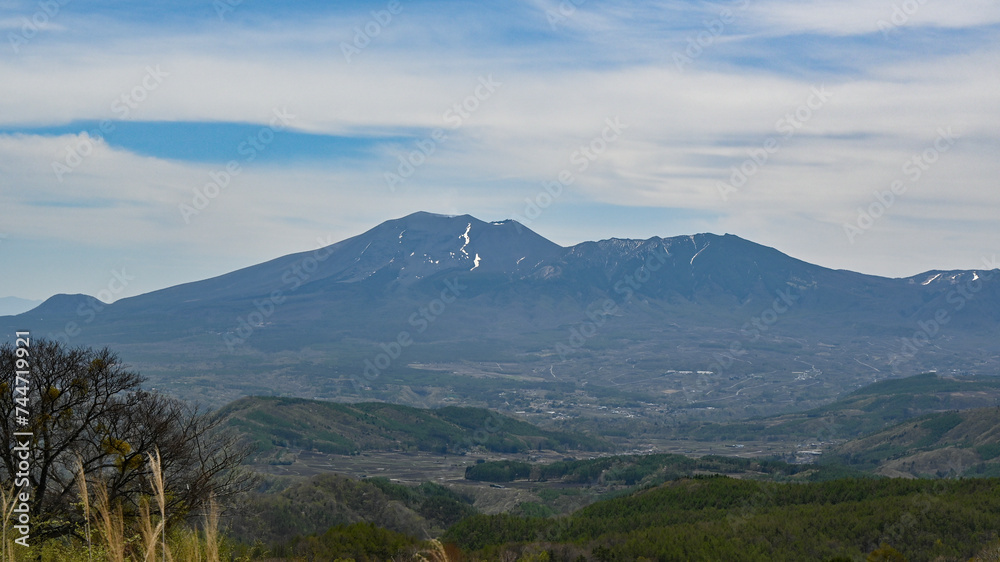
(702, 518)
(152, 478)
(720, 518)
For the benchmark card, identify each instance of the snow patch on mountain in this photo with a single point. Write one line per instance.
(468, 228)
(699, 253)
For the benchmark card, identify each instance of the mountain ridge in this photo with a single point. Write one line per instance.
(938, 276)
(11, 306)
(463, 294)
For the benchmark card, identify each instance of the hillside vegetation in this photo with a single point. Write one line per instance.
(720, 518)
(644, 470)
(866, 410)
(962, 443)
(312, 506)
(277, 424)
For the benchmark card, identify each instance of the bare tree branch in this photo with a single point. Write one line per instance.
(87, 407)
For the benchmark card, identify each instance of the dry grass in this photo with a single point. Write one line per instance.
(144, 538)
(433, 553)
(212, 532)
(81, 483)
(150, 533)
(110, 523)
(989, 554)
(7, 503)
(154, 535)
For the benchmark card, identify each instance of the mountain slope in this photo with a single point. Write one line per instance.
(428, 307)
(866, 410)
(400, 252)
(295, 424)
(958, 443)
(10, 306)
(722, 518)
(314, 505)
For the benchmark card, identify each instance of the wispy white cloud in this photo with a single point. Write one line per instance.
(686, 127)
(860, 17)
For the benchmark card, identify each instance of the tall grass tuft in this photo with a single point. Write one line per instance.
(145, 535)
(989, 554)
(81, 484)
(435, 552)
(150, 533)
(212, 532)
(8, 500)
(111, 523)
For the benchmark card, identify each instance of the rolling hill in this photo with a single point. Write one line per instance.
(866, 410)
(305, 506)
(957, 443)
(287, 424)
(719, 518)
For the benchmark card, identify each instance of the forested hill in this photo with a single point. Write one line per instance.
(869, 409)
(302, 507)
(958, 443)
(329, 427)
(720, 518)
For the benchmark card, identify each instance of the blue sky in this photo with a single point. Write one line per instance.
(785, 122)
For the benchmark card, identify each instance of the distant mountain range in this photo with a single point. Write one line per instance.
(428, 309)
(10, 306)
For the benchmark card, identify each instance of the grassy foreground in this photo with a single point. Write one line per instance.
(703, 518)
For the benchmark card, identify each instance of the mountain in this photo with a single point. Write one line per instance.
(10, 306)
(433, 310)
(396, 254)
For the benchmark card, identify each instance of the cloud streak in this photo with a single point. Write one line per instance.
(688, 127)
